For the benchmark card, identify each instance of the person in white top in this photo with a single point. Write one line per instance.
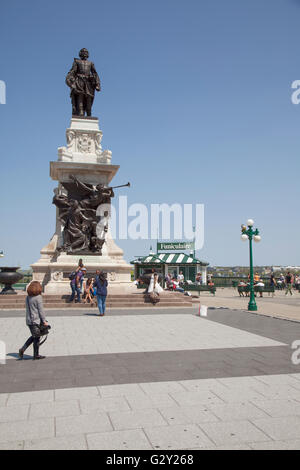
(176, 286)
(154, 289)
(260, 284)
(154, 285)
(180, 278)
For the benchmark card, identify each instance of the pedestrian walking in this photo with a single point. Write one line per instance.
(289, 283)
(100, 284)
(35, 316)
(273, 283)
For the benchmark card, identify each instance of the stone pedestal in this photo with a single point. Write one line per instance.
(84, 158)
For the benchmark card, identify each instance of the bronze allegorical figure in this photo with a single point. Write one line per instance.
(78, 214)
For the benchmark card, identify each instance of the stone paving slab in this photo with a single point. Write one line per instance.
(177, 437)
(133, 439)
(29, 429)
(57, 443)
(285, 427)
(131, 389)
(3, 399)
(72, 425)
(194, 398)
(133, 419)
(76, 393)
(229, 447)
(276, 445)
(96, 405)
(188, 414)
(279, 408)
(237, 411)
(43, 396)
(234, 432)
(54, 409)
(280, 391)
(12, 445)
(142, 401)
(14, 413)
(280, 379)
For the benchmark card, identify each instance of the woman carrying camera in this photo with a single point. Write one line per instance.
(35, 315)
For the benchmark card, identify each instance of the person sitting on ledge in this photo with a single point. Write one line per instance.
(261, 285)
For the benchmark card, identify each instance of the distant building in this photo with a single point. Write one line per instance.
(171, 263)
(285, 268)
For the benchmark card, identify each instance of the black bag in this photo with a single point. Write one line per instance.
(39, 330)
(72, 276)
(44, 329)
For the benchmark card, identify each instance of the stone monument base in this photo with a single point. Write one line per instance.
(52, 270)
(84, 159)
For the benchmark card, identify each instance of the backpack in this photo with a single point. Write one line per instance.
(72, 276)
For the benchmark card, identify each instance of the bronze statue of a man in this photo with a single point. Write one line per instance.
(83, 81)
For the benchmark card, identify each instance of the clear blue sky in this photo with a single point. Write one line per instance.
(195, 106)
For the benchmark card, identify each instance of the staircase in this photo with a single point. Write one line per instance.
(132, 300)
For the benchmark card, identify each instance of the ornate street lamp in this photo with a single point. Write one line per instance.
(250, 234)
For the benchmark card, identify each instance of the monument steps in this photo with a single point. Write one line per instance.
(133, 300)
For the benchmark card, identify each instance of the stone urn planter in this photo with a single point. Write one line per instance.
(8, 277)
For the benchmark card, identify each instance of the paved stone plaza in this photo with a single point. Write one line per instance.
(152, 379)
(279, 305)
